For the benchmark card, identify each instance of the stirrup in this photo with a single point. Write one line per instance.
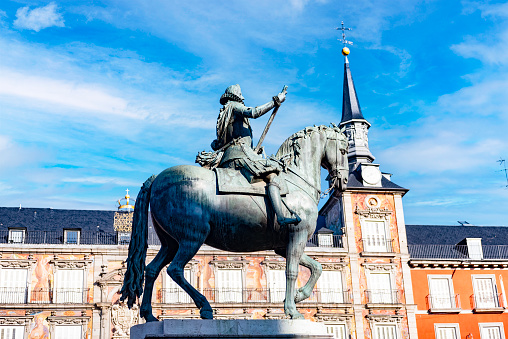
(287, 221)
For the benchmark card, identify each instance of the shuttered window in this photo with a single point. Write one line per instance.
(68, 332)
(173, 293)
(229, 286)
(485, 293)
(374, 236)
(441, 295)
(330, 287)
(380, 288)
(447, 331)
(385, 332)
(13, 285)
(11, 332)
(491, 331)
(338, 331)
(69, 285)
(277, 282)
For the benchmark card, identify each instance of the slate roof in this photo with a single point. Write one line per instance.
(453, 235)
(355, 181)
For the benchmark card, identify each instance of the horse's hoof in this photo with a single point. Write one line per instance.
(206, 314)
(150, 318)
(297, 316)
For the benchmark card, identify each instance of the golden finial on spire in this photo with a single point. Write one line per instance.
(126, 206)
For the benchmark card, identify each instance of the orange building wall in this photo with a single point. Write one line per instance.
(462, 285)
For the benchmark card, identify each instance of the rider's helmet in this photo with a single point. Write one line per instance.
(233, 93)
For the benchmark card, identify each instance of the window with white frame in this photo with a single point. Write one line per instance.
(277, 283)
(69, 286)
(491, 331)
(380, 288)
(485, 291)
(330, 287)
(124, 238)
(173, 293)
(447, 331)
(228, 285)
(72, 237)
(16, 235)
(13, 285)
(12, 332)
(441, 294)
(68, 332)
(375, 236)
(337, 330)
(325, 240)
(385, 331)
(474, 248)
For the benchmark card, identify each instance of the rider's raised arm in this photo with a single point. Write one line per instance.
(256, 112)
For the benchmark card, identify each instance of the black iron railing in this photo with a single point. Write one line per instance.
(22, 295)
(326, 240)
(383, 296)
(438, 302)
(377, 244)
(458, 252)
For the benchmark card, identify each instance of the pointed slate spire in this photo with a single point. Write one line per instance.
(357, 128)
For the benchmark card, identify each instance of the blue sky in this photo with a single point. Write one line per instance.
(95, 96)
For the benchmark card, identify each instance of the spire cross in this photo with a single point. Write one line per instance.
(344, 29)
(127, 191)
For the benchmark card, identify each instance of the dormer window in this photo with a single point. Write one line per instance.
(16, 235)
(474, 248)
(72, 236)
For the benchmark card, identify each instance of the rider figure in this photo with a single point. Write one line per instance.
(234, 136)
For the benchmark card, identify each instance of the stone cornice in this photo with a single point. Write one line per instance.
(15, 320)
(374, 213)
(379, 266)
(17, 263)
(385, 318)
(62, 320)
(71, 263)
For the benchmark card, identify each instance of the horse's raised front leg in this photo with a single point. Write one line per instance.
(152, 271)
(296, 245)
(188, 248)
(315, 272)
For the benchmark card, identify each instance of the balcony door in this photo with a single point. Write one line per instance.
(13, 285)
(441, 296)
(380, 288)
(374, 236)
(69, 286)
(277, 281)
(174, 294)
(485, 292)
(330, 287)
(229, 286)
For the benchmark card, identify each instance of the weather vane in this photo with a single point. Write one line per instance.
(502, 162)
(345, 50)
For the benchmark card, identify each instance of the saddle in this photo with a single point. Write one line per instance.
(233, 181)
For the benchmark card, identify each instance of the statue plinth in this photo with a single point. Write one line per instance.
(231, 328)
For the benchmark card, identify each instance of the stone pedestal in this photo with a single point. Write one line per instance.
(234, 328)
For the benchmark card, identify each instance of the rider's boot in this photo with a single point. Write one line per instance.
(274, 194)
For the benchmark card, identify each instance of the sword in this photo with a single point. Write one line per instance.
(263, 135)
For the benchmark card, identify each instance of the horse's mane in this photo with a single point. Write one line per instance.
(290, 148)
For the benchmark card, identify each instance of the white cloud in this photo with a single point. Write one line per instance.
(91, 180)
(38, 18)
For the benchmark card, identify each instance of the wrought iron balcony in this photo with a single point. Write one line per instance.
(436, 302)
(22, 295)
(377, 245)
(326, 240)
(252, 295)
(383, 297)
(487, 301)
(485, 252)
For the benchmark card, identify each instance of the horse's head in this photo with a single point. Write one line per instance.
(335, 158)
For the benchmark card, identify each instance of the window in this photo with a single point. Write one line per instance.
(474, 248)
(229, 285)
(441, 292)
(277, 282)
(13, 285)
(12, 332)
(124, 238)
(491, 331)
(71, 237)
(447, 331)
(375, 237)
(16, 236)
(330, 287)
(68, 332)
(383, 331)
(325, 240)
(69, 286)
(175, 294)
(380, 288)
(338, 330)
(485, 292)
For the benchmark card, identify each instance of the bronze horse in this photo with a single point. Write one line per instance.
(187, 211)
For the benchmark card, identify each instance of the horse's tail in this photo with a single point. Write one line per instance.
(133, 279)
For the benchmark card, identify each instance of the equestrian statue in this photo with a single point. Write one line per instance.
(238, 201)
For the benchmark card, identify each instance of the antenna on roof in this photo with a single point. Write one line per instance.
(464, 223)
(20, 207)
(502, 162)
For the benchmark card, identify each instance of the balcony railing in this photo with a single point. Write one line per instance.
(377, 245)
(326, 240)
(458, 252)
(253, 295)
(85, 238)
(22, 295)
(383, 296)
(443, 302)
(487, 300)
